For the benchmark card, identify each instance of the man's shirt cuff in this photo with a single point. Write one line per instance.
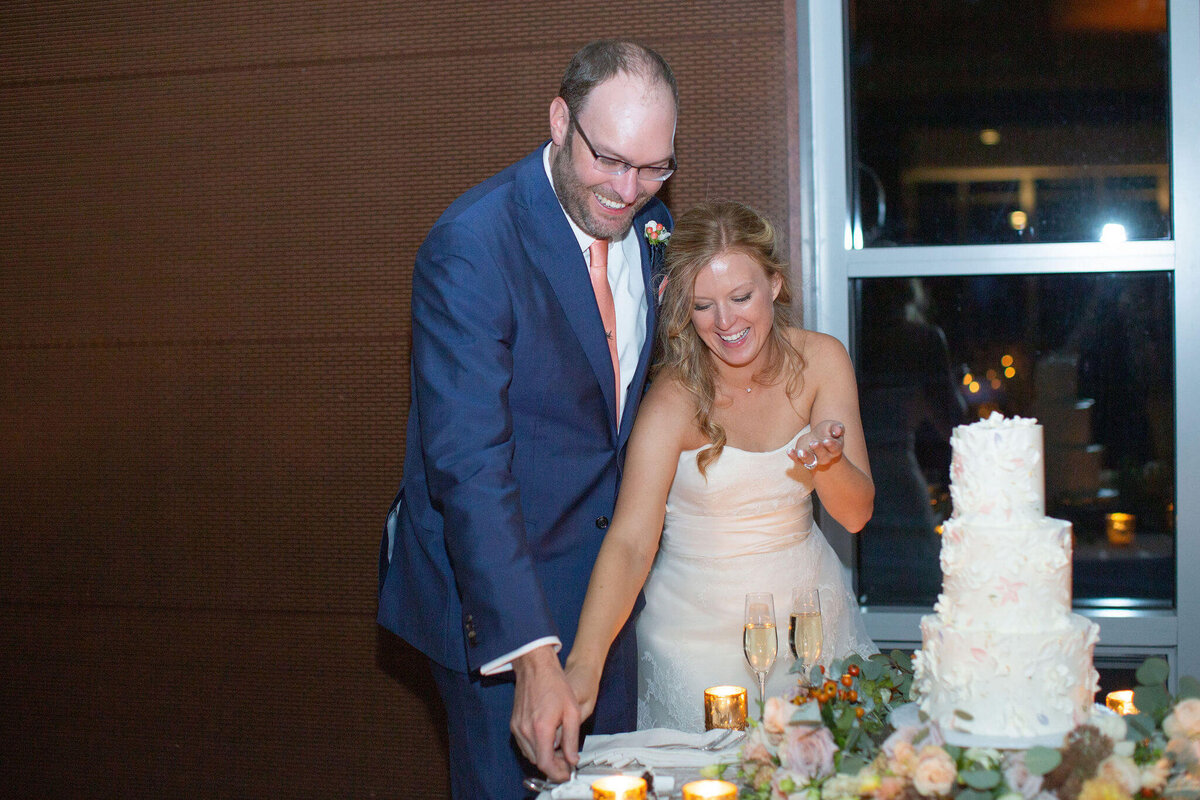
(504, 662)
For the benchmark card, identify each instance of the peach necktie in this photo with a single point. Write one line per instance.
(598, 268)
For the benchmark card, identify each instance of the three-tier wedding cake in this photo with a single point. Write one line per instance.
(1004, 656)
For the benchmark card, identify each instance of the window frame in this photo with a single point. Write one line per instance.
(829, 262)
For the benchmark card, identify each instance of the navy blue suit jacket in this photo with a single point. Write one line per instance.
(513, 456)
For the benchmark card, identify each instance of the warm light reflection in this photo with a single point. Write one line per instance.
(1010, 372)
(995, 383)
(619, 787)
(1006, 360)
(989, 136)
(1018, 220)
(967, 379)
(724, 707)
(1120, 528)
(973, 388)
(710, 790)
(1121, 701)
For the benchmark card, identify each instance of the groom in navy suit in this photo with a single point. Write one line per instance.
(533, 321)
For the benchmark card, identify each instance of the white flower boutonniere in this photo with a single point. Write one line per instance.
(656, 233)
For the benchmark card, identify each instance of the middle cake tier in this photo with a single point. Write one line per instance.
(1005, 577)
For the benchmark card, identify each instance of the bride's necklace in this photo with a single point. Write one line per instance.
(735, 391)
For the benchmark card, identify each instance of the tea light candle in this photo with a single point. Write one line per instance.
(709, 790)
(724, 707)
(1119, 528)
(1121, 701)
(619, 787)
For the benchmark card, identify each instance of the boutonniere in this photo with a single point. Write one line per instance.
(656, 233)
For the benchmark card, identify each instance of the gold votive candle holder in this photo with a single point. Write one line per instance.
(709, 790)
(725, 707)
(619, 787)
(1120, 528)
(1121, 701)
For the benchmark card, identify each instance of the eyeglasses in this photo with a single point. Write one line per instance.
(615, 166)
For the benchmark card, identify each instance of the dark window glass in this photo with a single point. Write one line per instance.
(1089, 355)
(986, 121)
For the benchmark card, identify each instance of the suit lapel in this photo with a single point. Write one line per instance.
(639, 378)
(554, 249)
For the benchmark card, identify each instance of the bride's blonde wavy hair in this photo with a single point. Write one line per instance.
(701, 235)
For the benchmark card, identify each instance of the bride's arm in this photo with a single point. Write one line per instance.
(632, 540)
(843, 484)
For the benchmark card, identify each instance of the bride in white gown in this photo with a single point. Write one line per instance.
(746, 417)
(748, 527)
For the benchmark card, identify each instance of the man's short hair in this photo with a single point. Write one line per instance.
(600, 60)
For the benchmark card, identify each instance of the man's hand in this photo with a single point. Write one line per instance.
(545, 718)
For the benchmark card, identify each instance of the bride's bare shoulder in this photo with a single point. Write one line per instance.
(814, 344)
(668, 411)
(667, 394)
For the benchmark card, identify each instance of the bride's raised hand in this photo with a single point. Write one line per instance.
(820, 445)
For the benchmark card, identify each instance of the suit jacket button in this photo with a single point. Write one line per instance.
(601, 522)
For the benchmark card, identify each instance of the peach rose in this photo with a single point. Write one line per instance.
(1121, 771)
(1184, 720)
(807, 750)
(776, 713)
(890, 788)
(903, 761)
(935, 772)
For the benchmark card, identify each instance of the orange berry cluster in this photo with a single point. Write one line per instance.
(830, 690)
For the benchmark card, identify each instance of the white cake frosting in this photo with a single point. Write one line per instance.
(1003, 655)
(996, 469)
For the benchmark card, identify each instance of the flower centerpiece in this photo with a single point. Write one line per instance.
(834, 741)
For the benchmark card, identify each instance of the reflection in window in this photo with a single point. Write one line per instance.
(1009, 122)
(1089, 355)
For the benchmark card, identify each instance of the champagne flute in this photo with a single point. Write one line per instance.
(804, 628)
(760, 642)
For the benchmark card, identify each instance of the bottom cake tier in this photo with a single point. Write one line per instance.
(1011, 685)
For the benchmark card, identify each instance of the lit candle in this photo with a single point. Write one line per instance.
(709, 790)
(724, 707)
(1121, 701)
(619, 787)
(1119, 528)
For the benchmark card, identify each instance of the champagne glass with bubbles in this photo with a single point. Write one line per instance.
(804, 629)
(760, 642)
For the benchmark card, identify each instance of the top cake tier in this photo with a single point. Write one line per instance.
(996, 469)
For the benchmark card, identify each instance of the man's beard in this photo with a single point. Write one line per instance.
(576, 198)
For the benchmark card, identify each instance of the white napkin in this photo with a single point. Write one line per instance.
(660, 747)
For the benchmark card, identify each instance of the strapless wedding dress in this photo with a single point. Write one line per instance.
(747, 528)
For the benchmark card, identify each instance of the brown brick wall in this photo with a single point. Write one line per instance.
(208, 215)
